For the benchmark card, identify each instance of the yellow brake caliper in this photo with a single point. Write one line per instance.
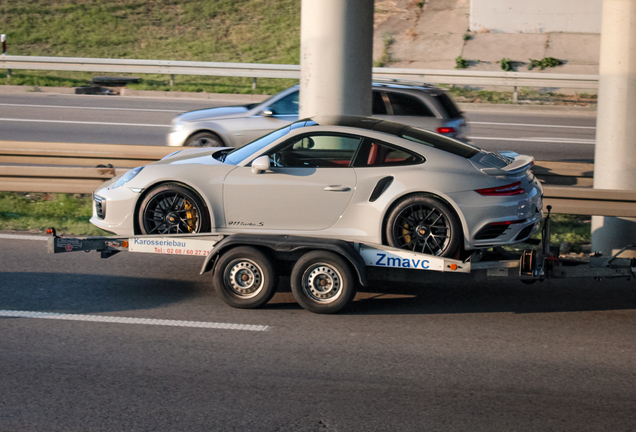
(405, 231)
(191, 215)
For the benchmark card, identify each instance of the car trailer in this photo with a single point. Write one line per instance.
(325, 273)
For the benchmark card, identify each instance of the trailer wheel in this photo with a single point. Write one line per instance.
(322, 282)
(245, 278)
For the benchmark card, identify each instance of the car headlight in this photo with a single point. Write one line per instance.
(178, 126)
(127, 177)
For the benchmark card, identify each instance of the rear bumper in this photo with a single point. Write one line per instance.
(485, 217)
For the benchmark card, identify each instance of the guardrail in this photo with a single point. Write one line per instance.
(256, 70)
(73, 168)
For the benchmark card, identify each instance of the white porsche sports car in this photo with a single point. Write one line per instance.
(352, 178)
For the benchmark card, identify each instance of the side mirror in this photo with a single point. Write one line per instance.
(260, 164)
(266, 112)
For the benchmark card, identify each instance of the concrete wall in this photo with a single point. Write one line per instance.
(536, 16)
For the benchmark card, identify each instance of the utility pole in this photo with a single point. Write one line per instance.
(336, 57)
(615, 153)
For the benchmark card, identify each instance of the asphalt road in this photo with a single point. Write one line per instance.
(558, 356)
(145, 121)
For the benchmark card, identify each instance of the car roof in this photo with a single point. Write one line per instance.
(396, 129)
(398, 83)
(361, 122)
(394, 83)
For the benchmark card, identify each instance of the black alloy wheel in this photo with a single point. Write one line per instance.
(424, 224)
(173, 209)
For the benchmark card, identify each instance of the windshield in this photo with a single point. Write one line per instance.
(240, 154)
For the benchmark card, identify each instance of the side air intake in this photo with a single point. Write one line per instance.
(379, 189)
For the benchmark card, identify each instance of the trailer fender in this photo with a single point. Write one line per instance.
(283, 243)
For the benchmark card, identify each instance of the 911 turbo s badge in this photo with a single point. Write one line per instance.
(245, 224)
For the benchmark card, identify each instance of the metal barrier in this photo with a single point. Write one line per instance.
(255, 70)
(42, 153)
(73, 168)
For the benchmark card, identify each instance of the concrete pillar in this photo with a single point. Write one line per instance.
(615, 154)
(336, 57)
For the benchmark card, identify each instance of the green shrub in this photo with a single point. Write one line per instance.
(506, 64)
(461, 63)
(544, 63)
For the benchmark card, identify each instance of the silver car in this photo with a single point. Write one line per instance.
(416, 105)
(353, 178)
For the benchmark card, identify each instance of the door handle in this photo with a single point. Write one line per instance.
(338, 188)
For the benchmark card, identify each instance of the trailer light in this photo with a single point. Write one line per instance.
(453, 266)
(507, 190)
(124, 244)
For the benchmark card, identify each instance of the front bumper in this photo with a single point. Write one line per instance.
(117, 209)
(177, 138)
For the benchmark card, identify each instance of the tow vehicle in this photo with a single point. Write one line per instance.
(326, 273)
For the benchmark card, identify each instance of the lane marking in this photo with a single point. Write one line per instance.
(22, 237)
(537, 140)
(531, 125)
(84, 123)
(124, 320)
(90, 108)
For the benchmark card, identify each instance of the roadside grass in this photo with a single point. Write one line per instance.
(156, 82)
(572, 229)
(249, 31)
(35, 212)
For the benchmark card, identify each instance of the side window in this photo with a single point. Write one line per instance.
(286, 106)
(316, 151)
(407, 105)
(378, 154)
(378, 108)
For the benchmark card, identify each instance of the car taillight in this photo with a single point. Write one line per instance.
(445, 130)
(511, 189)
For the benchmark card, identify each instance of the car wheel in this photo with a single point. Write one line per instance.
(322, 282)
(422, 223)
(245, 278)
(172, 209)
(204, 139)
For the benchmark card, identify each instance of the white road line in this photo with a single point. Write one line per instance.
(91, 108)
(537, 140)
(22, 237)
(83, 122)
(124, 320)
(531, 125)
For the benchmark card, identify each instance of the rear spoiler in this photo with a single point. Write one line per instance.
(520, 164)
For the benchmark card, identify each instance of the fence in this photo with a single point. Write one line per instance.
(255, 70)
(82, 168)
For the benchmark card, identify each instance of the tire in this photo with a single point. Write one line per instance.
(322, 282)
(172, 209)
(245, 278)
(204, 139)
(422, 223)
